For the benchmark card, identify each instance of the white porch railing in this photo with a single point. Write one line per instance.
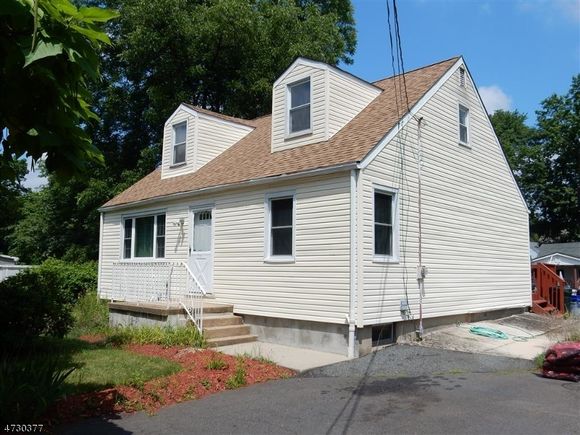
(169, 282)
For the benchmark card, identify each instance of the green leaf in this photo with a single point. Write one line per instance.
(43, 49)
(94, 35)
(98, 14)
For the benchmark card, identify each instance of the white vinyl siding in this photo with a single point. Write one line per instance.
(475, 226)
(206, 138)
(314, 287)
(336, 98)
(280, 139)
(347, 98)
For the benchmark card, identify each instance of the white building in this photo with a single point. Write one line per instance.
(312, 222)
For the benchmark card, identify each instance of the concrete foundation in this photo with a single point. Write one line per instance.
(405, 330)
(124, 314)
(324, 337)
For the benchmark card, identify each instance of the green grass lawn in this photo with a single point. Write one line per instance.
(100, 366)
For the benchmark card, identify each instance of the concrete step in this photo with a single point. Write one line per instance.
(226, 341)
(226, 331)
(221, 319)
(211, 308)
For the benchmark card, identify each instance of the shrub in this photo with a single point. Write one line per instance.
(163, 335)
(39, 300)
(29, 385)
(34, 303)
(77, 278)
(90, 315)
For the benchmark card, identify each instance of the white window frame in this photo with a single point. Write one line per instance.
(268, 257)
(460, 106)
(289, 107)
(173, 144)
(394, 193)
(133, 217)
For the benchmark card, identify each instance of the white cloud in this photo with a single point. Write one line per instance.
(494, 98)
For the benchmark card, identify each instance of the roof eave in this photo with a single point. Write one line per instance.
(218, 188)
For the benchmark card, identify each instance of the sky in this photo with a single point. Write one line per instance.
(519, 52)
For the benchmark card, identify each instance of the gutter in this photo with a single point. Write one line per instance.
(219, 188)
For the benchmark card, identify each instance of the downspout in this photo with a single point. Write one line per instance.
(353, 263)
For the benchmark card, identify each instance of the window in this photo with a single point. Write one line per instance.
(463, 124)
(144, 237)
(179, 142)
(385, 226)
(281, 227)
(299, 107)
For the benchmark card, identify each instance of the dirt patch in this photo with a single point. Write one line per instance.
(93, 338)
(198, 378)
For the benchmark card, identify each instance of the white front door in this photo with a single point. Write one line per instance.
(201, 247)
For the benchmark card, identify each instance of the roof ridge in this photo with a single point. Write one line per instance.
(243, 121)
(417, 69)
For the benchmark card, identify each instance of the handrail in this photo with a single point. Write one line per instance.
(550, 286)
(194, 277)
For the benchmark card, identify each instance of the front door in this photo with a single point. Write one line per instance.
(201, 247)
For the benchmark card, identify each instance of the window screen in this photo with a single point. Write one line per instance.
(463, 124)
(179, 141)
(281, 211)
(383, 224)
(299, 107)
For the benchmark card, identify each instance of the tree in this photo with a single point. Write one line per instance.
(49, 51)
(524, 155)
(546, 163)
(11, 191)
(559, 138)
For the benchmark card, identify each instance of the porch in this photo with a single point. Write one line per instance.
(167, 293)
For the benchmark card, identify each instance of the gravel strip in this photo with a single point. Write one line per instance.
(409, 361)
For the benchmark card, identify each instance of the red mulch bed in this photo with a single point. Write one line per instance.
(194, 381)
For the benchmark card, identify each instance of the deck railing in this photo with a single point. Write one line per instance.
(166, 282)
(549, 286)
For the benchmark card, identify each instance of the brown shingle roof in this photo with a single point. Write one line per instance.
(246, 122)
(251, 158)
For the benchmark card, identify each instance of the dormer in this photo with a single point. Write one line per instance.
(312, 101)
(193, 136)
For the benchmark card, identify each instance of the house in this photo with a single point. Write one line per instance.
(564, 257)
(352, 214)
(9, 266)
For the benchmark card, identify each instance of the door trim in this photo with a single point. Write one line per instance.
(197, 207)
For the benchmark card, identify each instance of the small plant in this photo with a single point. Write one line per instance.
(90, 315)
(206, 383)
(189, 393)
(238, 379)
(29, 385)
(216, 364)
(163, 335)
(539, 360)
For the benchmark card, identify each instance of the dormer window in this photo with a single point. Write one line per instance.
(179, 142)
(299, 107)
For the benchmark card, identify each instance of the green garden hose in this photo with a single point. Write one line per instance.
(488, 332)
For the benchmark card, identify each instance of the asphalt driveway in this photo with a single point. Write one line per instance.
(401, 389)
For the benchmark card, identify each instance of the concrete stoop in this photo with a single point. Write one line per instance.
(221, 327)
